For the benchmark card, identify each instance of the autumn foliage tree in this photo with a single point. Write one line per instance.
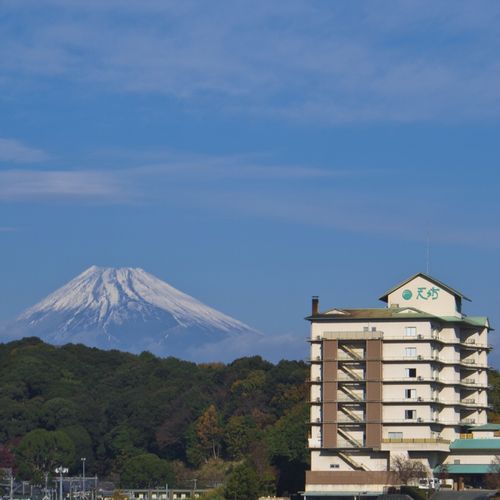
(209, 431)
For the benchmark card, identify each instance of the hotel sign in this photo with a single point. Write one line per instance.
(422, 293)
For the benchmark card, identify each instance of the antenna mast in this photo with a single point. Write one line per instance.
(428, 254)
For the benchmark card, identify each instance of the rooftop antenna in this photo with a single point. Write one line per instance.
(428, 254)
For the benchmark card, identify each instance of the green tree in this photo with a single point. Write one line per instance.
(41, 451)
(58, 412)
(239, 433)
(146, 471)
(287, 443)
(242, 484)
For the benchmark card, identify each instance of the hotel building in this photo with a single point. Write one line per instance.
(407, 379)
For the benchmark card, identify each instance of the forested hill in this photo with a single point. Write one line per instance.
(127, 414)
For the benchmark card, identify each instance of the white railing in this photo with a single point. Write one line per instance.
(468, 421)
(314, 443)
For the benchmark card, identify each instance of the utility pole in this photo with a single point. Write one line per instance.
(61, 470)
(83, 477)
(11, 493)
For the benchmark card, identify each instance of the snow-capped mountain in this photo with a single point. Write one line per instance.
(127, 309)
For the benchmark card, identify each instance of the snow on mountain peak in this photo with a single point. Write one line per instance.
(105, 296)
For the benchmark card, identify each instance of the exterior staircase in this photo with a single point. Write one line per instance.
(356, 465)
(350, 414)
(348, 437)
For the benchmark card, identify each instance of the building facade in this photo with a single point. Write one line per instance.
(408, 379)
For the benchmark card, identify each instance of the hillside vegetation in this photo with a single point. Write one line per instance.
(141, 420)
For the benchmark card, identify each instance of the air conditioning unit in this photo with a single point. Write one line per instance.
(318, 420)
(419, 398)
(419, 356)
(420, 336)
(318, 358)
(318, 400)
(420, 377)
(420, 419)
(318, 379)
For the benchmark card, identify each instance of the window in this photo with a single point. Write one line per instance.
(411, 372)
(395, 435)
(410, 352)
(410, 393)
(411, 331)
(410, 414)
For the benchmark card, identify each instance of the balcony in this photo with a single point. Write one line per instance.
(314, 443)
(416, 440)
(468, 421)
(469, 401)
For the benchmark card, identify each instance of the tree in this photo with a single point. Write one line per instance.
(239, 433)
(407, 470)
(58, 412)
(146, 471)
(40, 451)
(493, 477)
(209, 431)
(287, 443)
(243, 484)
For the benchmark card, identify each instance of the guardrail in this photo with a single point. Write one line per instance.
(415, 440)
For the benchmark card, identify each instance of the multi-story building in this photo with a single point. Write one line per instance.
(408, 379)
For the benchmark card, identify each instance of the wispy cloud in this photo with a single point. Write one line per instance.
(345, 199)
(12, 150)
(7, 229)
(356, 62)
(35, 184)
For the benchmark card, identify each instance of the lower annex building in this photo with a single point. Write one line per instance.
(409, 379)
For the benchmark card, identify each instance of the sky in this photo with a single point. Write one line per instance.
(252, 154)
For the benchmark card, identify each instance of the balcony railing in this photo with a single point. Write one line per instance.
(468, 421)
(416, 440)
(314, 443)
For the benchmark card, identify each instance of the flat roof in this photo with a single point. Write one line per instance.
(466, 469)
(485, 427)
(399, 313)
(476, 444)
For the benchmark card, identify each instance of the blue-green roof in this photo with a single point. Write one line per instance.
(485, 427)
(476, 444)
(466, 469)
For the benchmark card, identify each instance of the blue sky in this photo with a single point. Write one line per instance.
(251, 154)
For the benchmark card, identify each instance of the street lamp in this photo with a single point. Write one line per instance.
(61, 470)
(83, 476)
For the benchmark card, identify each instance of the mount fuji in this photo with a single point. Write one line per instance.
(131, 310)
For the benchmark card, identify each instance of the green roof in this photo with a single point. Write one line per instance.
(476, 444)
(395, 313)
(466, 469)
(485, 427)
(471, 320)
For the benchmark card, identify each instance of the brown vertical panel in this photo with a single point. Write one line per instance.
(329, 385)
(373, 393)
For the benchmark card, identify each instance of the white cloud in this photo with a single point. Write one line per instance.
(35, 184)
(356, 62)
(12, 150)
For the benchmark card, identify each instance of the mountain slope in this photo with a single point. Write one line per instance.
(127, 309)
